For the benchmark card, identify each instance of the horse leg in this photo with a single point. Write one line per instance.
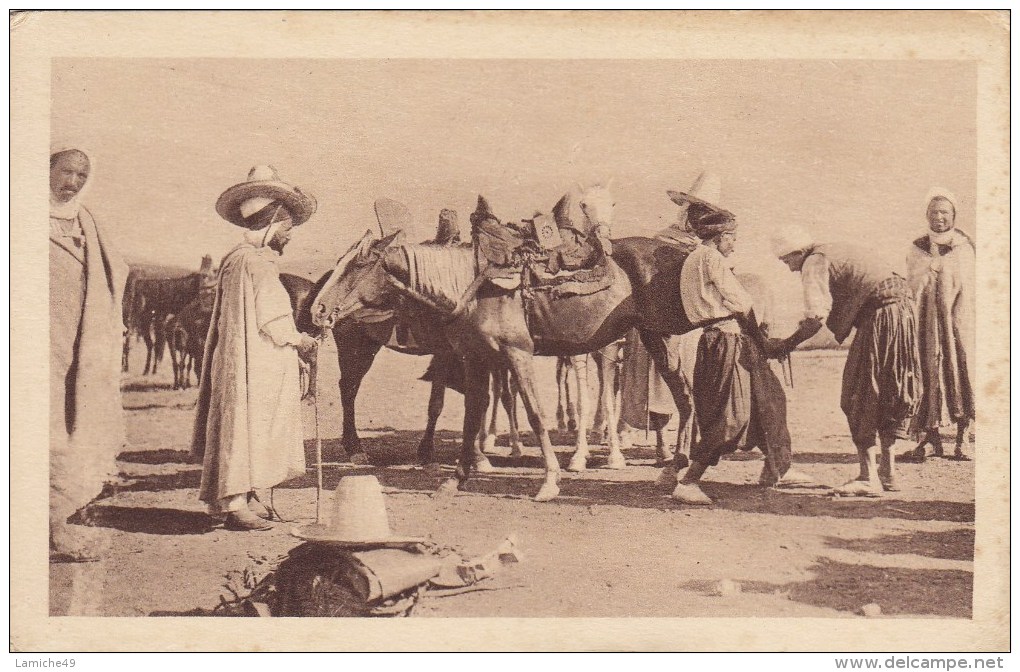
(487, 437)
(600, 423)
(426, 447)
(656, 346)
(608, 372)
(523, 368)
(579, 460)
(354, 358)
(509, 395)
(160, 347)
(561, 394)
(147, 337)
(476, 400)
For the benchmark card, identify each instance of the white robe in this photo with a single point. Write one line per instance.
(248, 423)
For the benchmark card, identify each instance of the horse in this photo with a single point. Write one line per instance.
(360, 337)
(151, 296)
(510, 326)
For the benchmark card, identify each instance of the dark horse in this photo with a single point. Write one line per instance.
(361, 336)
(501, 326)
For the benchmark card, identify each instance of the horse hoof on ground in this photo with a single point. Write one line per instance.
(548, 492)
(689, 493)
(516, 453)
(667, 478)
(489, 444)
(616, 462)
(578, 463)
(432, 468)
(359, 458)
(447, 489)
(682, 462)
(483, 466)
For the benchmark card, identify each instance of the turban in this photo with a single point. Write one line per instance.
(939, 192)
(69, 209)
(791, 238)
(708, 222)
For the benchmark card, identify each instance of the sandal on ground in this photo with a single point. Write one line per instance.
(244, 520)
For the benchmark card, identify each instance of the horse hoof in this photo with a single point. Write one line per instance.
(578, 463)
(483, 466)
(447, 489)
(682, 462)
(667, 478)
(516, 453)
(489, 444)
(432, 468)
(548, 492)
(616, 462)
(359, 458)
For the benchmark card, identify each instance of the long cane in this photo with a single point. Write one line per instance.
(318, 437)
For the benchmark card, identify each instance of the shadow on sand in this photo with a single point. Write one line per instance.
(848, 587)
(149, 520)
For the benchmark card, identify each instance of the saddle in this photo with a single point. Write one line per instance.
(542, 256)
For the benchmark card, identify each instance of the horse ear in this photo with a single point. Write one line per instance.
(364, 246)
(389, 240)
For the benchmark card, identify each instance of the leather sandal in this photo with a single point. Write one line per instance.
(244, 520)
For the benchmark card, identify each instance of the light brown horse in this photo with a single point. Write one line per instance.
(512, 326)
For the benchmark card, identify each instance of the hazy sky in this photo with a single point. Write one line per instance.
(848, 148)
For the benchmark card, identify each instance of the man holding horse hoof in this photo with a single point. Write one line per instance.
(846, 287)
(248, 423)
(738, 400)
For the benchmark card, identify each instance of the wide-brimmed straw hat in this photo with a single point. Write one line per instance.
(262, 187)
(706, 190)
(358, 519)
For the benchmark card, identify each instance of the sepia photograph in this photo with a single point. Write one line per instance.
(690, 322)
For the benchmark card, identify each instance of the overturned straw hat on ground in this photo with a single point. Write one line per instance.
(359, 517)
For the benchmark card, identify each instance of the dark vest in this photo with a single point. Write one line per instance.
(857, 283)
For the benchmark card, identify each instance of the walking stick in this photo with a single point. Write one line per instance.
(318, 439)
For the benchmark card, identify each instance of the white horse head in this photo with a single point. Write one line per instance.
(597, 203)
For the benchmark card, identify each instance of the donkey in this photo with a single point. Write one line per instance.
(509, 326)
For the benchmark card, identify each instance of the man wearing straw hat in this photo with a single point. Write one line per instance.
(846, 288)
(248, 423)
(738, 400)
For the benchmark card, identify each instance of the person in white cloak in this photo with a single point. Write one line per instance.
(248, 423)
(86, 284)
(940, 269)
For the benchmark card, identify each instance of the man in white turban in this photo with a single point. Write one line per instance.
(940, 268)
(87, 278)
(248, 423)
(845, 287)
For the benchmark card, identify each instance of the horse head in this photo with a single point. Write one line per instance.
(358, 280)
(597, 205)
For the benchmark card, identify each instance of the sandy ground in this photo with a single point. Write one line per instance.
(611, 545)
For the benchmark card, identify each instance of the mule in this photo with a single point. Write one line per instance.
(505, 326)
(359, 339)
